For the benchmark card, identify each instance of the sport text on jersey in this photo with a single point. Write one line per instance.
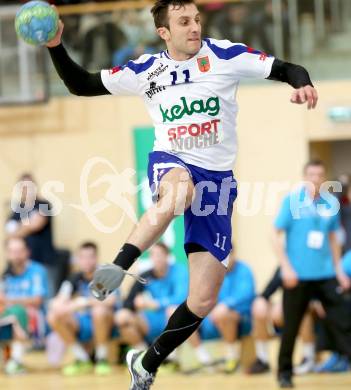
(194, 135)
(210, 107)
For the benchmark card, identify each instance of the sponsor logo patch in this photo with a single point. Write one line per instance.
(154, 89)
(210, 107)
(155, 73)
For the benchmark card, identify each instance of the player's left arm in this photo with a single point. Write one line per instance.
(298, 77)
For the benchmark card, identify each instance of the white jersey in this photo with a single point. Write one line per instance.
(192, 103)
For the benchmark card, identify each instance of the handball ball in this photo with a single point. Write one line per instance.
(36, 23)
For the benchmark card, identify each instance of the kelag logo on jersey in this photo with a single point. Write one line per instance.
(210, 107)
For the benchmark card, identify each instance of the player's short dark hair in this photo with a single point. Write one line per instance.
(160, 10)
(89, 245)
(163, 246)
(314, 163)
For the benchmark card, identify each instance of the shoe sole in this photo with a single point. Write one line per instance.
(129, 358)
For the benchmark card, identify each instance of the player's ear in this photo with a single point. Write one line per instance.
(164, 33)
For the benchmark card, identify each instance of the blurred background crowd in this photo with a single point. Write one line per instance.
(45, 303)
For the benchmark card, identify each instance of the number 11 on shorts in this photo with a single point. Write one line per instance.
(218, 242)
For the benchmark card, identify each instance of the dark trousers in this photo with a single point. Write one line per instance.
(295, 302)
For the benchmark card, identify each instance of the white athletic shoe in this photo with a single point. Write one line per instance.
(306, 366)
(140, 378)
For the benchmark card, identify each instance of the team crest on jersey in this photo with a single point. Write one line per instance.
(204, 64)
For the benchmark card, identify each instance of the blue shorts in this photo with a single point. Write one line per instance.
(85, 326)
(85, 331)
(156, 322)
(208, 220)
(209, 331)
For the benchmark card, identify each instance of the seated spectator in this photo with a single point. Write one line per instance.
(141, 38)
(77, 317)
(30, 219)
(268, 320)
(148, 307)
(24, 289)
(231, 317)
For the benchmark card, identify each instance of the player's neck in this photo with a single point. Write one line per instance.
(18, 269)
(177, 55)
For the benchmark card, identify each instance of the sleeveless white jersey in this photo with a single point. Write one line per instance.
(192, 103)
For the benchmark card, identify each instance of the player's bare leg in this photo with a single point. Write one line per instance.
(206, 277)
(262, 318)
(227, 322)
(102, 318)
(62, 322)
(175, 195)
(131, 327)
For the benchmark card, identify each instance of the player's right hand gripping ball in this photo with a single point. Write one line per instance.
(107, 278)
(36, 23)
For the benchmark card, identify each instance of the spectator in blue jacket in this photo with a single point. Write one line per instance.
(148, 307)
(24, 290)
(231, 317)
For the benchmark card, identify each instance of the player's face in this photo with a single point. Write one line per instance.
(87, 260)
(159, 258)
(316, 176)
(183, 37)
(17, 252)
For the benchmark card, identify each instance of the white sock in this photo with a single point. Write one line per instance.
(79, 352)
(232, 351)
(173, 356)
(101, 352)
(262, 350)
(17, 351)
(140, 346)
(308, 351)
(202, 354)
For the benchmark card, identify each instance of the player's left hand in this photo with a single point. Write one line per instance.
(343, 279)
(107, 278)
(306, 94)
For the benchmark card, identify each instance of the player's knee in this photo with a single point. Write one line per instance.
(123, 317)
(100, 312)
(201, 307)
(277, 315)
(219, 313)
(260, 309)
(54, 317)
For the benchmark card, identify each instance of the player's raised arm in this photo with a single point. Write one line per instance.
(77, 80)
(298, 77)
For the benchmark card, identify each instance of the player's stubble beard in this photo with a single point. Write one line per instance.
(187, 48)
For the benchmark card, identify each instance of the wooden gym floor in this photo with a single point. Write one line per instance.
(40, 377)
(120, 380)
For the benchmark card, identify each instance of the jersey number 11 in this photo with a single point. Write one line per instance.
(186, 73)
